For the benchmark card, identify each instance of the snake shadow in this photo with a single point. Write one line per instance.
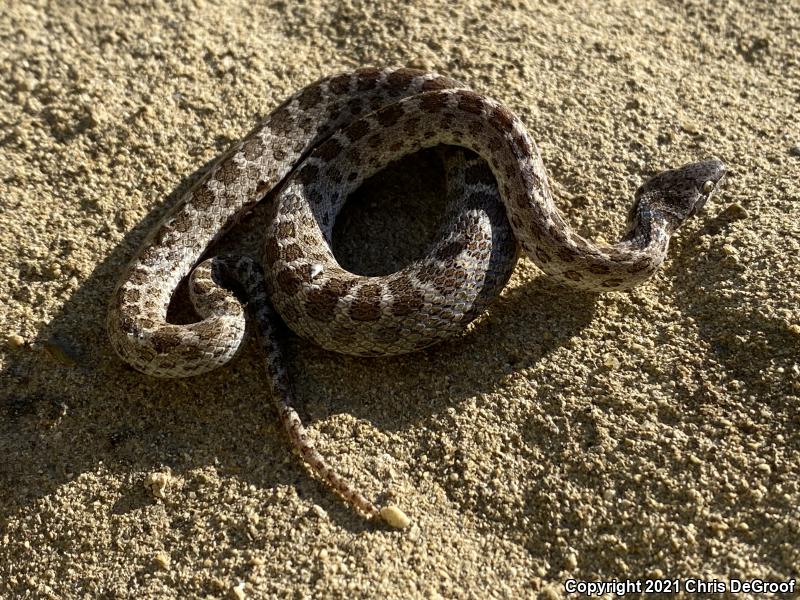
(751, 347)
(715, 289)
(70, 408)
(737, 346)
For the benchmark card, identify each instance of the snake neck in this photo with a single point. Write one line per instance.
(584, 264)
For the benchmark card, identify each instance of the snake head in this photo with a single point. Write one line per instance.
(677, 194)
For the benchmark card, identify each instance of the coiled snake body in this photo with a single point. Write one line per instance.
(318, 146)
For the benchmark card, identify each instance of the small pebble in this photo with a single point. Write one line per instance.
(161, 560)
(550, 592)
(395, 517)
(237, 591)
(690, 126)
(15, 340)
(734, 212)
(319, 511)
(611, 362)
(571, 561)
(157, 484)
(795, 150)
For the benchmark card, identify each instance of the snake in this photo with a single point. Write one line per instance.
(304, 159)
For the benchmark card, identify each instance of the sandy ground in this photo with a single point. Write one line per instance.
(642, 435)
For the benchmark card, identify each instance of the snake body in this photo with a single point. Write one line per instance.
(308, 155)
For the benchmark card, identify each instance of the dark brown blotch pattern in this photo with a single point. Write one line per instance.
(451, 249)
(366, 305)
(252, 149)
(402, 78)
(433, 102)
(202, 197)
(329, 150)
(181, 222)
(470, 102)
(410, 125)
(150, 256)
(367, 79)
(127, 297)
(308, 174)
(375, 140)
(406, 299)
(566, 255)
(289, 281)
(521, 145)
(339, 84)
(426, 273)
(390, 115)
(335, 175)
(163, 342)
(357, 130)
(271, 250)
(285, 230)
(501, 118)
(291, 252)
(321, 302)
(355, 106)
(310, 97)
(281, 120)
(138, 276)
(437, 83)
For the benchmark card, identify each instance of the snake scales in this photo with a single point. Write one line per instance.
(317, 147)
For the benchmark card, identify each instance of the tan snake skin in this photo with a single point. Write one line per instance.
(318, 147)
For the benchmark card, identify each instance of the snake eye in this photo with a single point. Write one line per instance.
(708, 186)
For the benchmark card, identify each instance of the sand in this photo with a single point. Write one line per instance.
(566, 436)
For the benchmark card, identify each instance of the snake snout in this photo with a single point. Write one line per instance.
(706, 177)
